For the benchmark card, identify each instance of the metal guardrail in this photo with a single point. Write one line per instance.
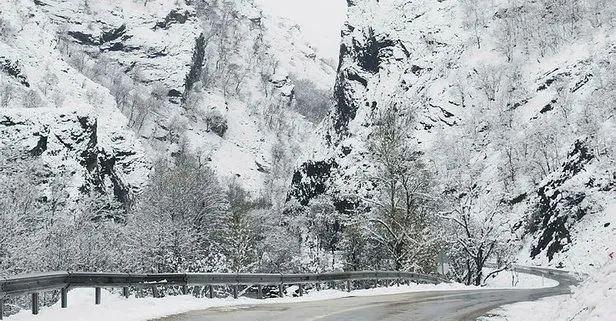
(35, 283)
(540, 271)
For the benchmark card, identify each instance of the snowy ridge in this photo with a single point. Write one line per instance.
(52, 83)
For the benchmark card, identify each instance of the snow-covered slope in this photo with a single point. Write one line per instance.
(125, 64)
(537, 117)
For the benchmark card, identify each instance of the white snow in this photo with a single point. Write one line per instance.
(512, 278)
(320, 20)
(594, 243)
(592, 301)
(115, 307)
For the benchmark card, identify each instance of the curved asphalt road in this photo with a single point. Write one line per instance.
(419, 306)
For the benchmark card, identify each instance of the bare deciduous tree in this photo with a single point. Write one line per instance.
(401, 221)
(477, 224)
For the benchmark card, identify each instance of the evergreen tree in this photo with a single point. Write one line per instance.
(196, 65)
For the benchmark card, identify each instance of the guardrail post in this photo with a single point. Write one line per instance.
(301, 289)
(398, 282)
(318, 286)
(35, 303)
(63, 298)
(210, 291)
(386, 283)
(125, 292)
(197, 291)
(155, 291)
(97, 295)
(259, 291)
(348, 285)
(184, 289)
(235, 290)
(280, 289)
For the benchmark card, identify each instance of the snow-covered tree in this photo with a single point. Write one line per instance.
(401, 219)
(318, 228)
(240, 232)
(475, 18)
(474, 208)
(179, 217)
(312, 102)
(42, 229)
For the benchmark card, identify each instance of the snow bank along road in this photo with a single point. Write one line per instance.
(420, 306)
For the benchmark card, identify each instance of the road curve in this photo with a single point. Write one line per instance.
(419, 306)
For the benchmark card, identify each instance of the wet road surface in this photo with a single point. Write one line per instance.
(418, 306)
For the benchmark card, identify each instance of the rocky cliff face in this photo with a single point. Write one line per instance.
(124, 65)
(523, 109)
(384, 56)
(70, 147)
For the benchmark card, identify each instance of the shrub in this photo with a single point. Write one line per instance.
(216, 122)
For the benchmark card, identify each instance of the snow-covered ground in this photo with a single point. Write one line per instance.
(114, 307)
(592, 301)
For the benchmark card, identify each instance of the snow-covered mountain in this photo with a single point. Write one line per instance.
(510, 100)
(512, 96)
(117, 71)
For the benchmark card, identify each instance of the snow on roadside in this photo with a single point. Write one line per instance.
(540, 310)
(115, 307)
(592, 301)
(514, 279)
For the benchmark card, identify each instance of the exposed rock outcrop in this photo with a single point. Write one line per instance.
(68, 143)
